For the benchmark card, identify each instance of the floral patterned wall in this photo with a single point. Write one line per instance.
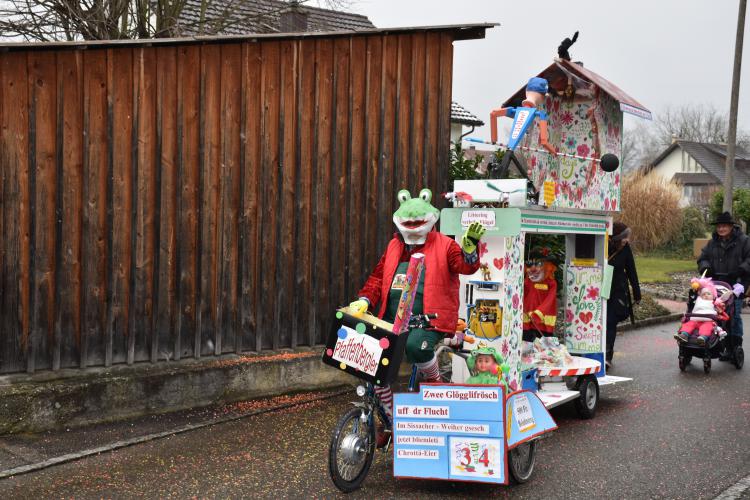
(584, 127)
(512, 308)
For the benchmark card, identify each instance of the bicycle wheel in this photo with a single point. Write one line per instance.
(521, 460)
(351, 451)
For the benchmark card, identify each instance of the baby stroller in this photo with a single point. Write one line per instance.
(722, 344)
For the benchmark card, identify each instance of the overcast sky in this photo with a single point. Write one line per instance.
(661, 52)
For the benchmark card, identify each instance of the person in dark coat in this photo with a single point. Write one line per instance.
(624, 276)
(726, 258)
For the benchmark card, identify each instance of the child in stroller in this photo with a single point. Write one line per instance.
(701, 327)
(710, 307)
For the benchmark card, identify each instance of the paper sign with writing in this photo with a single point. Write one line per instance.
(450, 432)
(583, 309)
(523, 414)
(476, 457)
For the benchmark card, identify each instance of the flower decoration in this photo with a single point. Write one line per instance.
(592, 293)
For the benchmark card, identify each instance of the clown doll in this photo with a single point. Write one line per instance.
(539, 295)
(437, 290)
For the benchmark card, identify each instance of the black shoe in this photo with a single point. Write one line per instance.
(725, 356)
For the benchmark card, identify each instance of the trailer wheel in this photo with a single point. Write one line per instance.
(521, 460)
(588, 399)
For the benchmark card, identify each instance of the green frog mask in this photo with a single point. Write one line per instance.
(415, 217)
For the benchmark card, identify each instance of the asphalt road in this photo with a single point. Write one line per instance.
(667, 434)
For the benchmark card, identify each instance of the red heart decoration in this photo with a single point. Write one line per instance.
(498, 263)
(585, 317)
(614, 204)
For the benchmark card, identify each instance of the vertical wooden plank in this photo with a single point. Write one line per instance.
(356, 219)
(270, 56)
(416, 130)
(70, 171)
(339, 276)
(95, 207)
(387, 142)
(144, 198)
(404, 175)
(120, 127)
(14, 159)
(432, 120)
(250, 261)
(306, 268)
(188, 95)
(287, 268)
(166, 74)
(321, 212)
(211, 196)
(43, 96)
(6, 344)
(373, 106)
(231, 74)
(444, 114)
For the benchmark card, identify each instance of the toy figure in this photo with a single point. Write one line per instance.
(525, 116)
(486, 274)
(437, 291)
(562, 49)
(539, 295)
(487, 367)
(708, 305)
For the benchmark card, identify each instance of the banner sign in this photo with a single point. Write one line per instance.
(583, 309)
(450, 432)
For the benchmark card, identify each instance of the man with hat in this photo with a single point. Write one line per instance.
(726, 258)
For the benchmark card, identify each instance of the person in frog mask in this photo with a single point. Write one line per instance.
(438, 288)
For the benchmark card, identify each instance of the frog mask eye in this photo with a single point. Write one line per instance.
(426, 195)
(404, 195)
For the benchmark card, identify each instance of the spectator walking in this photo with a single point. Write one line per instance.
(624, 276)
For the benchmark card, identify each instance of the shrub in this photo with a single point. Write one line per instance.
(651, 208)
(693, 226)
(740, 204)
(461, 167)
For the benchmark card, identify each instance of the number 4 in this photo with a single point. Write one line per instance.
(484, 459)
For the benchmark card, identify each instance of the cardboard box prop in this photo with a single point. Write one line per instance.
(365, 347)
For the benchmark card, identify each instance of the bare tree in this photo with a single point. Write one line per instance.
(58, 20)
(701, 123)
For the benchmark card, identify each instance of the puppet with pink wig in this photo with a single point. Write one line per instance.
(708, 307)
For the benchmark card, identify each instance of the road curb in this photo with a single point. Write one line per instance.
(649, 322)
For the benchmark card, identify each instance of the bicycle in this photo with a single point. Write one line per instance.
(353, 442)
(354, 439)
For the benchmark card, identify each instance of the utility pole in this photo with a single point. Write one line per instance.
(732, 133)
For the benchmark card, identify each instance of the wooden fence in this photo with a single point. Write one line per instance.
(177, 199)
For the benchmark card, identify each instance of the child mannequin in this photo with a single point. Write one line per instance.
(706, 304)
(487, 366)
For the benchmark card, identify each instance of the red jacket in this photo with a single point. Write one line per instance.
(444, 261)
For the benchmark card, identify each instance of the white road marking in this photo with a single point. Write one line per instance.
(736, 490)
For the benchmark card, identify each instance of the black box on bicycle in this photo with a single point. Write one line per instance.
(365, 347)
